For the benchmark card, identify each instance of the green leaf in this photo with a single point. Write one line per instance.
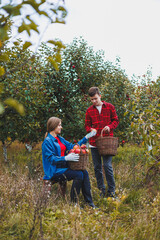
(125, 114)
(43, 13)
(4, 57)
(34, 26)
(24, 27)
(12, 10)
(2, 71)
(16, 43)
(26, 45)
(16, 105)
(1, 108)
(54, 63)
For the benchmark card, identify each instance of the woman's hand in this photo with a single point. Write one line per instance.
(72, 157)
(91, 134)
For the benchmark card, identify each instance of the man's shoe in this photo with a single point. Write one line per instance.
(112, 195)
(102, 193)
(92, 205)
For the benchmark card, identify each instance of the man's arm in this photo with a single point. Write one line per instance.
(88, 122)
(114, 119)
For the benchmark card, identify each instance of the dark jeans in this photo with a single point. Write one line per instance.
(107, 164)
(80, 181)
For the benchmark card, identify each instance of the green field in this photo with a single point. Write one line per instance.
(26, 213)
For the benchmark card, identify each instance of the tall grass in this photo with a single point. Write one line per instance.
(26, 212)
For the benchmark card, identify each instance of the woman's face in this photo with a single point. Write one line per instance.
(57, 130)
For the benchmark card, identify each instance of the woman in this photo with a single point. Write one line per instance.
(55, 161)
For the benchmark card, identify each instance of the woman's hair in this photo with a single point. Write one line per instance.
(52, 123)
(93, 91)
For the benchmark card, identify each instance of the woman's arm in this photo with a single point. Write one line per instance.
(69, 145)
(49, 153)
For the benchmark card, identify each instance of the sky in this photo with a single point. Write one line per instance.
(129, 29)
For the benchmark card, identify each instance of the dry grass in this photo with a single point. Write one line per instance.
(26, 213)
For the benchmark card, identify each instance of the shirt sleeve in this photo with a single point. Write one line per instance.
(88, 122)
(114, 118)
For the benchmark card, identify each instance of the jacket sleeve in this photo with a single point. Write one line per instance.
(69, 145)
(88, 122)
(49, 153)
(114, 118)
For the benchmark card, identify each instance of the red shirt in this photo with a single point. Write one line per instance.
(107, 117)
(62, 146)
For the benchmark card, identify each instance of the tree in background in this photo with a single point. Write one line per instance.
(25, 86)
(67, 88)
(25, 16)
(118, 90)
(143, 112)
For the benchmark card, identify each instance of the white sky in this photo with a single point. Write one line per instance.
(129, 29)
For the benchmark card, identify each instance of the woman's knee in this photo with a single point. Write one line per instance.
(85, 173)
(79, 175)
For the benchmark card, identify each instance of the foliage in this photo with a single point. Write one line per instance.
(118, 91)
(67, 88)
(25, 85)
(21, 15)
(144, 115)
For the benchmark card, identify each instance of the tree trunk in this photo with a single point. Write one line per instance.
(5, 152)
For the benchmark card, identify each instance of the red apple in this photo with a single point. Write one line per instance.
(83, 151)
(71, 151)
(83, 146)
(77, 150)
(75, 147)
(87, 151)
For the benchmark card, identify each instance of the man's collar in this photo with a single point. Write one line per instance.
(103, 103)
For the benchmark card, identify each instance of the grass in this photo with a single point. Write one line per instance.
(26, 213)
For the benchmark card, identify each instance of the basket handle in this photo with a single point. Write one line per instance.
(102, 132)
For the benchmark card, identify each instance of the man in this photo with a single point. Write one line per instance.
(98, 116)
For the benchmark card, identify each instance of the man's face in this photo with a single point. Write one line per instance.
(96, 100)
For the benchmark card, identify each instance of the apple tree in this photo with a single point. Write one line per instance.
(24, 17)
(144, 116)
(118, 90)
(81, 67)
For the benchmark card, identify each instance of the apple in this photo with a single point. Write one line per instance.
(83, 151)
(83, 146)
(71, 151)
(76, 146)
(77, 150)
(87, 151)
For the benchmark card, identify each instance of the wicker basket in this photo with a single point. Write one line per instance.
(81, 164)
(107, 145)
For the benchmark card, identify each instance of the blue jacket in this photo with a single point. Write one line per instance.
(53, 163)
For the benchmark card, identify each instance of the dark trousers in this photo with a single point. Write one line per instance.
(80, 182)
(107, 164)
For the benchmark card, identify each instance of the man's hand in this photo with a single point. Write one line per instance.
(106, 129)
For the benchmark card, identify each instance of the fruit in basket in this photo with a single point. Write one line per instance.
(76, 147)
(71, 151)
(87, 151)
(83, 146)
(77, 150)
(83, 151)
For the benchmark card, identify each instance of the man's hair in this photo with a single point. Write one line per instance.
(93, 91)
